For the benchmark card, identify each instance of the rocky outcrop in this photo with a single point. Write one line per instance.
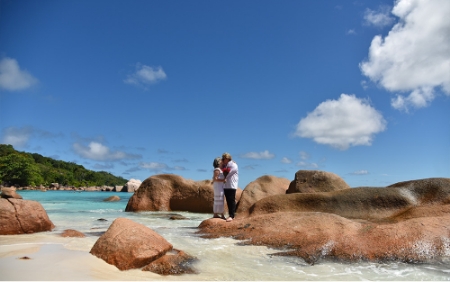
(131, 186)
(170, 192)
(314, 181)
(261, 188)
(363, 202)
(127, 244)
(112, 199)
(407, 221)
(316, 236)
(175, 262)
(72, 233)
(23, 216)
(10, 192)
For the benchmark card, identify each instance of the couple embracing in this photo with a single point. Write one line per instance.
(225, 182)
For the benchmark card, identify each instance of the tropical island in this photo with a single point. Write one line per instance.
(34, 171)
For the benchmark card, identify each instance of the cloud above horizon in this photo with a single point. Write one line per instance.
(348, 121)
(286, 160)
(99, 152)
(415, 55)
(159, 167)
(19, 136)
(12, 78)
(265, 155)
(145, 75)
(360, 172)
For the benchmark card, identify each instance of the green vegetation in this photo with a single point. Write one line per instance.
(27, 169)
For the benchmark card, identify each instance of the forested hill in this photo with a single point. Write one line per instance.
(31, 169)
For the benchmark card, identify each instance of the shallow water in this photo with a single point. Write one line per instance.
(53, 257)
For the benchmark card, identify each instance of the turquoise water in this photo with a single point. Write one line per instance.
(56, 258)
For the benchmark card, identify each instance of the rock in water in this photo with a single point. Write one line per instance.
(112, 199)
(23, 216)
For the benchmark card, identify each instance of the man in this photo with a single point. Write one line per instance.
(231, 184)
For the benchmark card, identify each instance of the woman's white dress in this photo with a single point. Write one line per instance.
(218, 194)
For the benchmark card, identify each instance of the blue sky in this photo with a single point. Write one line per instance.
(137, 88)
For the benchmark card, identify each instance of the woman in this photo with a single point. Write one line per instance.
(218, 180)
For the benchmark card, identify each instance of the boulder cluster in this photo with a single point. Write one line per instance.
(316, 216)
(170, 192)
(131, 186)
(319, 216)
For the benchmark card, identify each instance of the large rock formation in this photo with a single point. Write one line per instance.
(362, 203)
(261, 188)
(131, 186)
(170, 192)
(408, 221)
(127, 244)
(314, 181)
(8, 193)
(23, 216)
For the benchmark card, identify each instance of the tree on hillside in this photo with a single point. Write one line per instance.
(31, 169)
(19, 169)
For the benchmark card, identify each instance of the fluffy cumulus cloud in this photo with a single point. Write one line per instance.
(413, 60)
(145, 75)
(286, 160)
(12, 78)
(99, 152)
(348, 121)
(265, 155)
(379, 18)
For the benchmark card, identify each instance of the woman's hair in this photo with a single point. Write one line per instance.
(216, 162)
(226, 156)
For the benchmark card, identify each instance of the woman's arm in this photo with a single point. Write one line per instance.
(216, 176)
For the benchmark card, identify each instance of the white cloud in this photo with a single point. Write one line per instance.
(159, 167)
(360, 172)
(415, 56)
(154, 166)
(99, 152)
(380, 18)
(341, 123)
(12, 78)
(177, 167)
(286, 160)
(145, 75)
(307, 164)
(17, 137)
(351, 32)
(266, 155)
(304, 155)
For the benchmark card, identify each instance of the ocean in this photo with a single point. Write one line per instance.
(55, 258)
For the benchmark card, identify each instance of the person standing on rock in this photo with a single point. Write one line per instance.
(218, 181)
(231, 183)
